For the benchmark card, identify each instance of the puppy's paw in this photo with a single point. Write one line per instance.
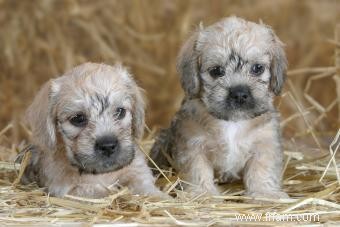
(156, 193)
(90, 191)
(208, 191)
(148, 190)
(268, 195)
(161, 195)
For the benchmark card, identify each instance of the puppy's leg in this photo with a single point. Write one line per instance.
(71, 183)
(139, 178)
(90, 190)
(199, 172)
(262, 176)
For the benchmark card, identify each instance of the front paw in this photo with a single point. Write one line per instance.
(157, 193)
(90, 191)
(148, 190)
(268, 194)
(161, 195)
(207, 190)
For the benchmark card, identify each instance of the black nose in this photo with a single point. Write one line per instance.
(106, 145)
(240, 94)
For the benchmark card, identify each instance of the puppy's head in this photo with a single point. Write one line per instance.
(94, 112)
(235, 67)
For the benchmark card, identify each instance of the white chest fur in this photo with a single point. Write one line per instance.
(232, 133)
(235, 147)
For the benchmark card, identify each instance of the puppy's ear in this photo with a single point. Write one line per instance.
(278, 67)
(138, 115)
(188, 66)
(40, 116)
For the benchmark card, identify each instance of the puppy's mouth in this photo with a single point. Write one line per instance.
(97, 163)
(238, 114)
(242, 105)
(235, 110)
(239, 104)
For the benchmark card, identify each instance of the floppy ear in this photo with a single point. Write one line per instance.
(278, 67)
(138, 117)
(40, 116)
(188, 66)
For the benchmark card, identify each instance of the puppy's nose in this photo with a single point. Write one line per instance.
(106, 145)
(240, 94)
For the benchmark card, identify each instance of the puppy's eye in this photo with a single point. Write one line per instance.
(120, 113)
(257, 69)
(79, 120)
(216, 71)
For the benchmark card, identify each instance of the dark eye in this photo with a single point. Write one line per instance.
(120, 113)
(79, 120)
(257, 69)
(216, 71)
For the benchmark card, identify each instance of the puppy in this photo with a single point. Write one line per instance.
(85, 125)
(227, 126)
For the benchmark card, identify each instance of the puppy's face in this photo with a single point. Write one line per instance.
(235, 82)
(235, 67)
(96, 111)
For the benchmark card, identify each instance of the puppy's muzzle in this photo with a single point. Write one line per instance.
(106, 145)
(240, 97)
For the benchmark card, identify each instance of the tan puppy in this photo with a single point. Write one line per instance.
(227, 126)
(85, 125)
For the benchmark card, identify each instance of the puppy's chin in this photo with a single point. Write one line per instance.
(97, 164)
(237, 114)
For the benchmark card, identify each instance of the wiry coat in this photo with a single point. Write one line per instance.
(214, 136)
(65, 154)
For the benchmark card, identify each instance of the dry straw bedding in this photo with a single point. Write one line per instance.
(312, 183)
(311, 174)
